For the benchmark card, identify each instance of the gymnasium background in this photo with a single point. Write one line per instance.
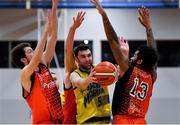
(22, 20)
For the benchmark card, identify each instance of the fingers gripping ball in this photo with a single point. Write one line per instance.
(105, 73)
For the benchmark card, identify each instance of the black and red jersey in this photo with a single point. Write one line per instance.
(132, 93)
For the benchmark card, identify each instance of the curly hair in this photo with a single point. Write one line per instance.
(149, 56)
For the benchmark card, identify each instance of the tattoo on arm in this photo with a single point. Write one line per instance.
(150, 39)
(152, 43)
(109, 30)
(114, 44)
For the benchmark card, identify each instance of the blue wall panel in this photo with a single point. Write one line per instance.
(87, 4)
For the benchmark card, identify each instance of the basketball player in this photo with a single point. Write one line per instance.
(92, 99)
(133, 90)
(69, 108)
(39, 88)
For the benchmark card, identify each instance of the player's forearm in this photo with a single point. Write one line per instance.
(54, 28)
(82, 83)
(70, 39)
(78, 82)
(54, 10)
(50, 47)
(50, 50)
(54, 19)
(38, 54)
(150, 38)
(109, 30)
(114, 44)
(69, 57)
(41, 45)
(152, 43)
(70, 42)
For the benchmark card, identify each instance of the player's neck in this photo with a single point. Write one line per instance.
(85, 70)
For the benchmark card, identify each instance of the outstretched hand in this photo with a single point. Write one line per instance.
(79, 19)
(144, 17)
(124, 46)
(95, 2)
(98, 6)
(48, 20)
(55, 3)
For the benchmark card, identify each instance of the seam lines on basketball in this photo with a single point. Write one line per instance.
(105, 74)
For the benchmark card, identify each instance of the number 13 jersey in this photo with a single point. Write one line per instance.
(132, 93)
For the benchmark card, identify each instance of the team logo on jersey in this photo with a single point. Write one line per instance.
(93, 90)
(46, 85)
(133, 108)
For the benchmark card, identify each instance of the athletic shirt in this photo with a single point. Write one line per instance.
(92, 102)
(44, 98)
(132, 93)
(69, 108)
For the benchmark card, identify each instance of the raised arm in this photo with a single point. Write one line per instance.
(144, 19)
(124, 46)
(112, 38)
(51, 44)
(28, 70)
(69, 56)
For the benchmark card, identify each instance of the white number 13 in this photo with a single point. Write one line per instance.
(139, 94)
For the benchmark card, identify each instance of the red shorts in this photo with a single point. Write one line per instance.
(123, 119)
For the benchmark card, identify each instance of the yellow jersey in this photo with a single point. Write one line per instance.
(92, 102)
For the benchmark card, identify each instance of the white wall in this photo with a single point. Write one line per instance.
(22, 25)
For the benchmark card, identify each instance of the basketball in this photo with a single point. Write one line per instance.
(105, 73)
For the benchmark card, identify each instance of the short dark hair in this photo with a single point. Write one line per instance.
(149, 56)
(17, 53)
(80, 47)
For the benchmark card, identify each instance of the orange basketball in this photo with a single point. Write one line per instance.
(105, 73)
